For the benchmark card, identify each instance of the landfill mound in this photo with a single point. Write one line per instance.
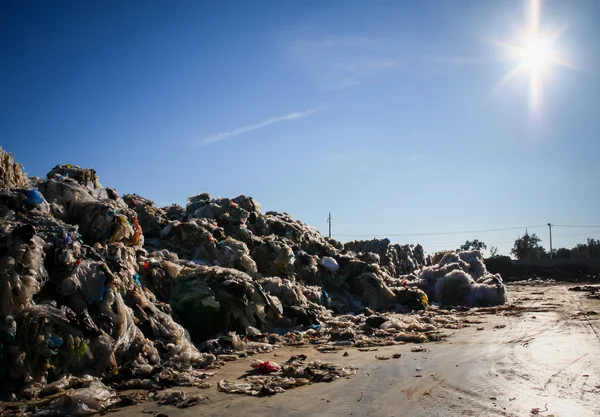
(103, 292)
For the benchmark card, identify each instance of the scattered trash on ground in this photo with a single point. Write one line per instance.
(418, 349)
(592, 290)
(294, 373)
(265, 367)
(537, 410)
(179, 399)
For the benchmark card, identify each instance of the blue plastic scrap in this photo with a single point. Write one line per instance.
(136, 279)
(54, 341)
(34, 197)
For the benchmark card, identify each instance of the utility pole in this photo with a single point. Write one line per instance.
(329, 221)
(550, 228)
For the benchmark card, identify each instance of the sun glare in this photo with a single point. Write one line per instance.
(534, 53)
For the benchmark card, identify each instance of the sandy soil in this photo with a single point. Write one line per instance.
(545, 360)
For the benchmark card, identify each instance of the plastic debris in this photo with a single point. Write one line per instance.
(115, 290)
(265, 367)
(34, 197)
(295, 372)
(80, 402)
(11, 173)
(179, 399)
(418, 349)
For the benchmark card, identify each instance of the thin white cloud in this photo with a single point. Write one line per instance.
(239, 131)
(338, 62)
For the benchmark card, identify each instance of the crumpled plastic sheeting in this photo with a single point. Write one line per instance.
(68, 395)
(373, 291)
(235, 254)
(179, 399)
(104, 220)
(83, 176)
(461, 279)
(396, 259)
(152, 219)
(81, 402)
(211, 299)
(385, 329)
(298, 309)
(233, 233)
(17, 202)
(11, 173)
(204, 241)
(68, 308)
(22, 271)
(84, 294)
(230, 214)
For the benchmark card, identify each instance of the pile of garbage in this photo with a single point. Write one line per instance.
(460, 279)
(394, 259)
(592, 291)
(123, 293)
(270, 378)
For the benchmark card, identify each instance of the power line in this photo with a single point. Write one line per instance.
(577, 234)
(441, 233)
(566, 225)
(454, 243)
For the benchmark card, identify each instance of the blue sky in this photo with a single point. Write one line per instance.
(391, 115)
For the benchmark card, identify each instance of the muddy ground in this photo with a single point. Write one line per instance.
(543, 359)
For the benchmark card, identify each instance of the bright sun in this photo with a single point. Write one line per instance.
(534, 54)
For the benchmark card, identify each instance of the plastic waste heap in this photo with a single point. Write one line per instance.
(97, 288)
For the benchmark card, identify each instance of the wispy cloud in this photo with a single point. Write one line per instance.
(342, 61)
(241, 130)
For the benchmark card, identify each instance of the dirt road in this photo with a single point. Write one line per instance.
(545, 361)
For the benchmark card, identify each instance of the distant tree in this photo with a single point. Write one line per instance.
(594, 247)
(493, 251)
(591, 249)
(540, 252)
(473, 245)
(528, 247)
(580, 250)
